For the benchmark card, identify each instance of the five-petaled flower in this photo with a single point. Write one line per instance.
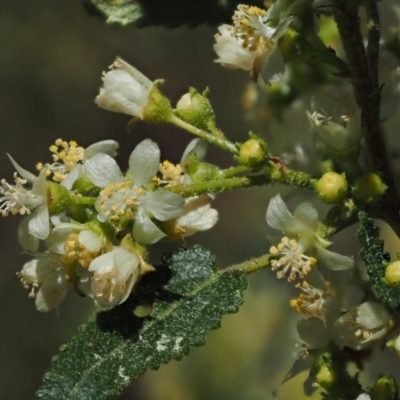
(300, 229)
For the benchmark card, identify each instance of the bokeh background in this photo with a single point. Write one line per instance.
(51, 60)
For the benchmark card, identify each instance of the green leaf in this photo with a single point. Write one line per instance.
(122, 12)
(169, 13)
(188, 295)
(373, 255)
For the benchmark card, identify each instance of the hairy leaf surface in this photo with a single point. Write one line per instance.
(188, 296)
(374, 257)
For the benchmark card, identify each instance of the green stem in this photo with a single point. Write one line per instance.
(250, 266)
(273, 175)
(230, 172)
(215, 140)
(82, 200)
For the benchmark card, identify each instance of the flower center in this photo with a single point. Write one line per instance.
(292, 260)
(66, 155)
(171, 174)
(312, 301)
(118, 200)
(105, 286)
(76, 251)
(15, 199)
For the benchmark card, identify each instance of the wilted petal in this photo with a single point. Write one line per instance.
(144, 161)
(196, 146)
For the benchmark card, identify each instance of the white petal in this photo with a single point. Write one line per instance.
(144, 161)
(72, 176)
(58, 236)
(91, 240)
(196, 146)
(307, 215)
(373, 315)
(363, 396)
(313, 332)
(334, 261)
(299, 366)
(105, 146)
(39, 224)
(163, 205)
(102, 170)
(25, 239)
(278, 214)
(51, 293)
(39, 187)
(145, 231)
(23, 172)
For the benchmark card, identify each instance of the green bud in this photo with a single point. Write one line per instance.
(253, 153)
(86, 187)
(392, 274)
(369, 187)
(332, 187)
(158, 108)
(201, 171)
(325, 376)
(384, 388)
(59, 198)
(196, 109)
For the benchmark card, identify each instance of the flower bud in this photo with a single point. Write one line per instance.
(195, 108)
(384, 388)
(369, 187)
(59, 198)
(331, 187)
(325, 376)
(253, 152)
(128, 91)
(392, 274)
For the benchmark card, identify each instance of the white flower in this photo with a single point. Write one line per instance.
(16, 199)
(125, 90)
(247, 43)
(363, 396)
(362, 326)
(76, 242)
(197, 215)
(336, 119)
(48, 273)
(127, 197)
(69, 159)
(301, 235)
(114, 275)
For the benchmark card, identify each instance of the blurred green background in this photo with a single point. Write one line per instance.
(51, 60)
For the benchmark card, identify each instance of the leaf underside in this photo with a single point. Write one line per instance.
(169, 13)
(188, 296)
(373, 255)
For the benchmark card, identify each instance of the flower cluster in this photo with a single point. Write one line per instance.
(95, 221)
(335, 308)
(248, 42)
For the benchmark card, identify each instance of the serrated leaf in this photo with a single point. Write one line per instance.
(373, 255)
(122, 12)
(189, 298)
(169, 13)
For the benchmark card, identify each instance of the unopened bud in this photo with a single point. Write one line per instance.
(384, 388)
(253, 152)
(332, 187)
(369, 187)
(195, 108)
(392, 274)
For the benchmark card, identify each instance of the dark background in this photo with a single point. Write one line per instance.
(51, 60)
